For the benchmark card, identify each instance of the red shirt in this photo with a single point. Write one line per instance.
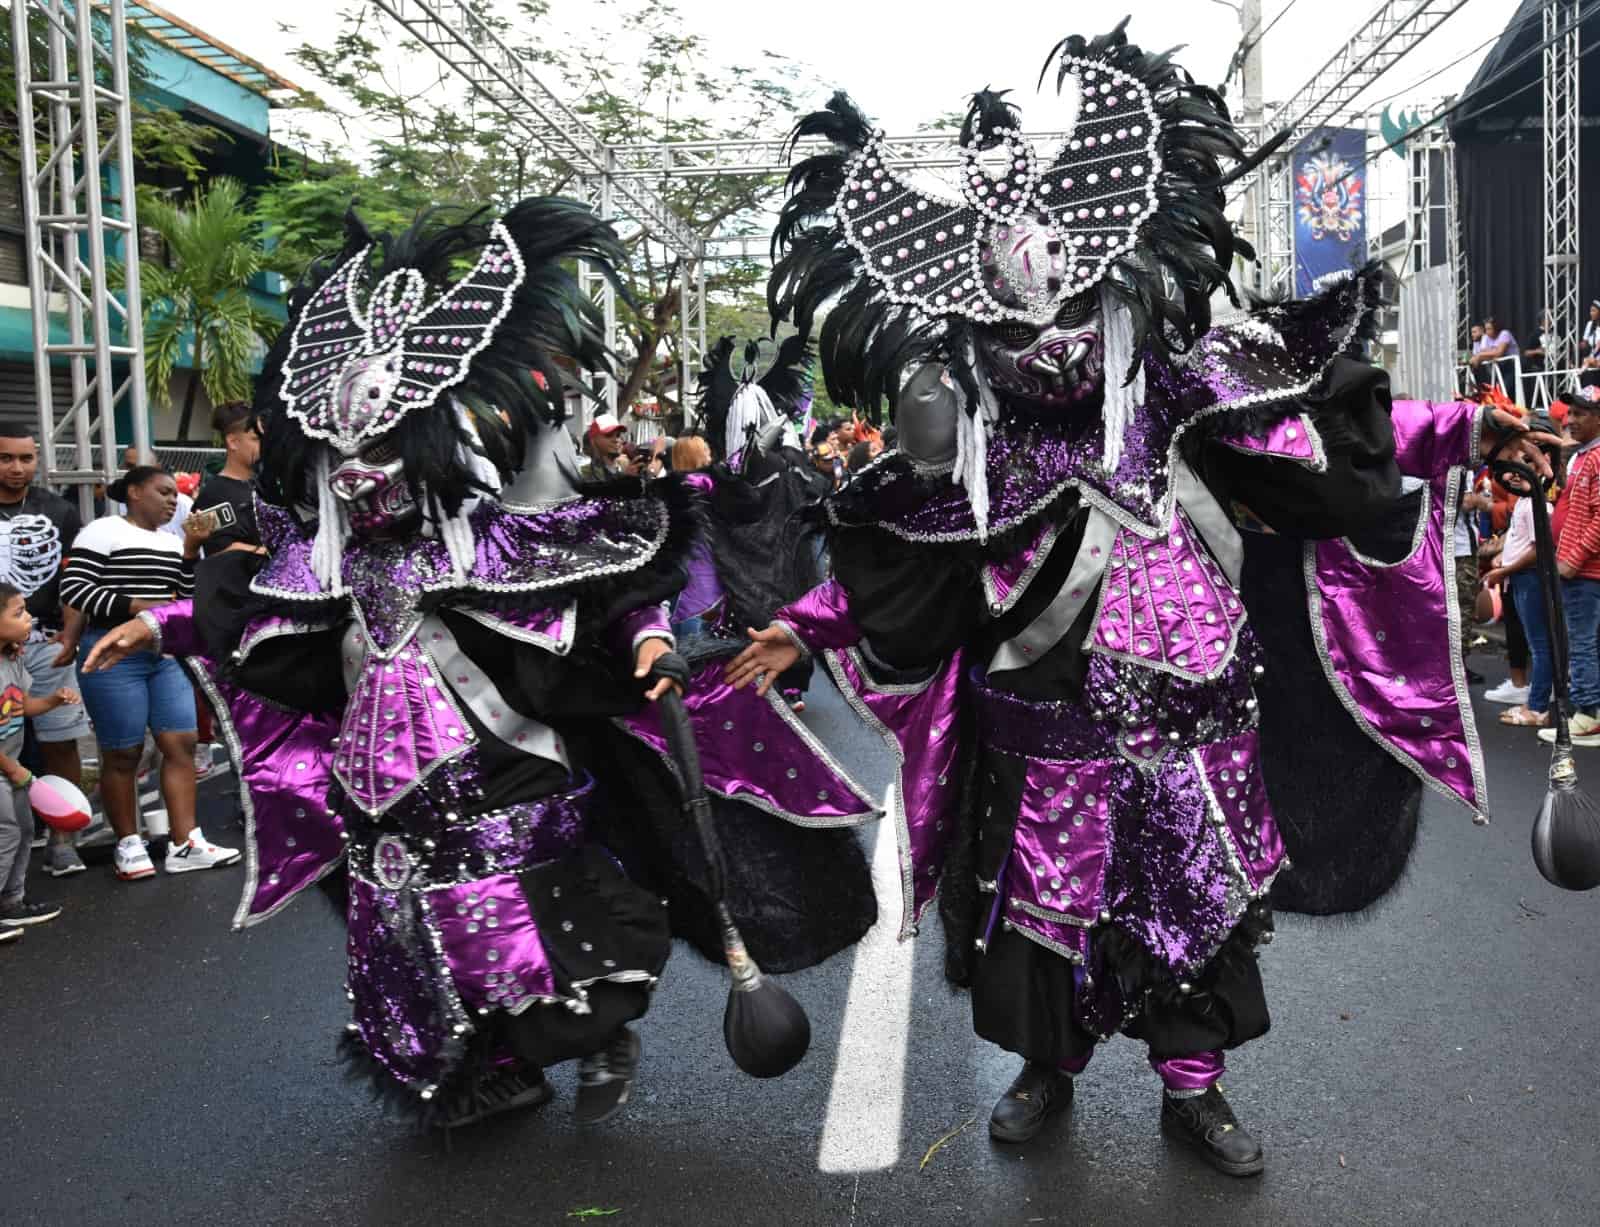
(1578, 515)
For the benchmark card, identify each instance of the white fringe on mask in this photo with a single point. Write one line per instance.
(1122, 399)
(333, 526)
(456, 531)
(972, 449)
(751, 408)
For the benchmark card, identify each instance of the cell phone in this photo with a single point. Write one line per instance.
(204, 519)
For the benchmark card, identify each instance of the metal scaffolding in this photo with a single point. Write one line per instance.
(1392, 30)
(77, 190)
(461, 37)
(1561, 31)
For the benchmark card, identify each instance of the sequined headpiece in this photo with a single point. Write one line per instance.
(416, 349)
(1129, 206)
(456, 372)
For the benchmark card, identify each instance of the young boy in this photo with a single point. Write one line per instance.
(16, 817)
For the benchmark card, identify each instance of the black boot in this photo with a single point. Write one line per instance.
(505, 1090)
(606, 1077)
(1039, 1093)
(1207, 1123)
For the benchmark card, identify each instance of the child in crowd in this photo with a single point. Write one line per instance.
(16, 817)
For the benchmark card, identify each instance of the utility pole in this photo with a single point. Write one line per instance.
(1250, 117)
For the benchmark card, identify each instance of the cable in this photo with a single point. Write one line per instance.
(1493, 38)
(1451, 108)
(1247, 43)
(1282, 13)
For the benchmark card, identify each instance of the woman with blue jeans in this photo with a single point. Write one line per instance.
(120, 567)
(1517, 573)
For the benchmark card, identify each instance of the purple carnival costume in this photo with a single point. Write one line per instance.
(1113, 710)
(757, 551)
(427, 683)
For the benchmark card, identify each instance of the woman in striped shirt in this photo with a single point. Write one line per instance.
(120, 566)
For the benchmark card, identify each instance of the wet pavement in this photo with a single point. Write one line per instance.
(1430, 1062)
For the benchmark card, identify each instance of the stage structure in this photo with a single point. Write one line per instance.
(463, 39)
(1392, 30)
(75, 143)
(1562, 28)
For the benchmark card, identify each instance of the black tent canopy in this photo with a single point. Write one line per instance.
(1499, 137)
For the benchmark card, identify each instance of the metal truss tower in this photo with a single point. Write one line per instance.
(460, 36)
(1390, 32)
(75, 138)
(1561, 252)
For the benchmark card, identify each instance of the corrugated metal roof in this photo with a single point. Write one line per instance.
(197, 45)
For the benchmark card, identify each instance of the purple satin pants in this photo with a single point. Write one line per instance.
(1197, 1072)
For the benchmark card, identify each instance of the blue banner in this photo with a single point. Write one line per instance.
(1330, 205)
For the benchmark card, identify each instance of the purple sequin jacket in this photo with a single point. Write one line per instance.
(1140, 755)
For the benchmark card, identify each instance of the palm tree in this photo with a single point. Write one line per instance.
(214, 249)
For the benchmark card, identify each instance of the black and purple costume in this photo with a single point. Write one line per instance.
(1042, 601)
(427, 683)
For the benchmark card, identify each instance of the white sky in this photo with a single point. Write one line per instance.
(907, 62)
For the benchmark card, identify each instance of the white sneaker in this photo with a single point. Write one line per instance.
(199, 853)
(1507, 692)
(132, 861)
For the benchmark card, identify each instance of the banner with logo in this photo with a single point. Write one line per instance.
(1330, 205)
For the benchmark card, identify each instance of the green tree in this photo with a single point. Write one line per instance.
(215, 250)
(649, 80)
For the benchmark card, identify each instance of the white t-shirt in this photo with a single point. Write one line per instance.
(1519, 537)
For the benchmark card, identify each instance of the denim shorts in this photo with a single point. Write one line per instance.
(65, 723)
(143, 691)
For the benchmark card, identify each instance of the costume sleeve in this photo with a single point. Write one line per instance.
(646, 622)
(820, 619)
(175, 626)
(911, 605)
(1330, 466)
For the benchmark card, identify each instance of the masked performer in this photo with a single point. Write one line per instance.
(1037, 598)
(418, 678)
(757, 551)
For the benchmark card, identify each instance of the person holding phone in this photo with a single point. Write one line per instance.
(122, 565)
(229, 498)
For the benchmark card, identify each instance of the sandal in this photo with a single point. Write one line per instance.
(1524, 717)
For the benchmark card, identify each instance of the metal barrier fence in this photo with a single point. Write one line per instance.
(1531, 389)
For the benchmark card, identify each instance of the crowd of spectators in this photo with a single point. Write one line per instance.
(63, 584)
(1510, 556)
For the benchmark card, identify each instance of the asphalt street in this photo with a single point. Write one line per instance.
(1432, 1062)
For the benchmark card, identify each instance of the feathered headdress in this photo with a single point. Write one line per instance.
(732, 406)
(1129, 206)
(448, 334)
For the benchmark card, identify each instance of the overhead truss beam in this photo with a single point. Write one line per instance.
(74, 130)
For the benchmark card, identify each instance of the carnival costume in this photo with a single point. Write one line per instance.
(1040, 598)
(426, 684)
(758, 550)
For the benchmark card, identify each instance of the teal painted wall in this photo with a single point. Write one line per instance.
(178, 81)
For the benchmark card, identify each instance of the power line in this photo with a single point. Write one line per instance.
(1494, 38)
(1451, 108)
(1282, 13)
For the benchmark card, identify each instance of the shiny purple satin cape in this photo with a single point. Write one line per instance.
(754, 749)
(1378, 626)
(285, 765)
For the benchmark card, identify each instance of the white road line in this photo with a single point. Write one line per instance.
(862, 1129)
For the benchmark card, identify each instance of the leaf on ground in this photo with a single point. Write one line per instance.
(1341, 1161)
(949, 1137)
(594, 1212)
